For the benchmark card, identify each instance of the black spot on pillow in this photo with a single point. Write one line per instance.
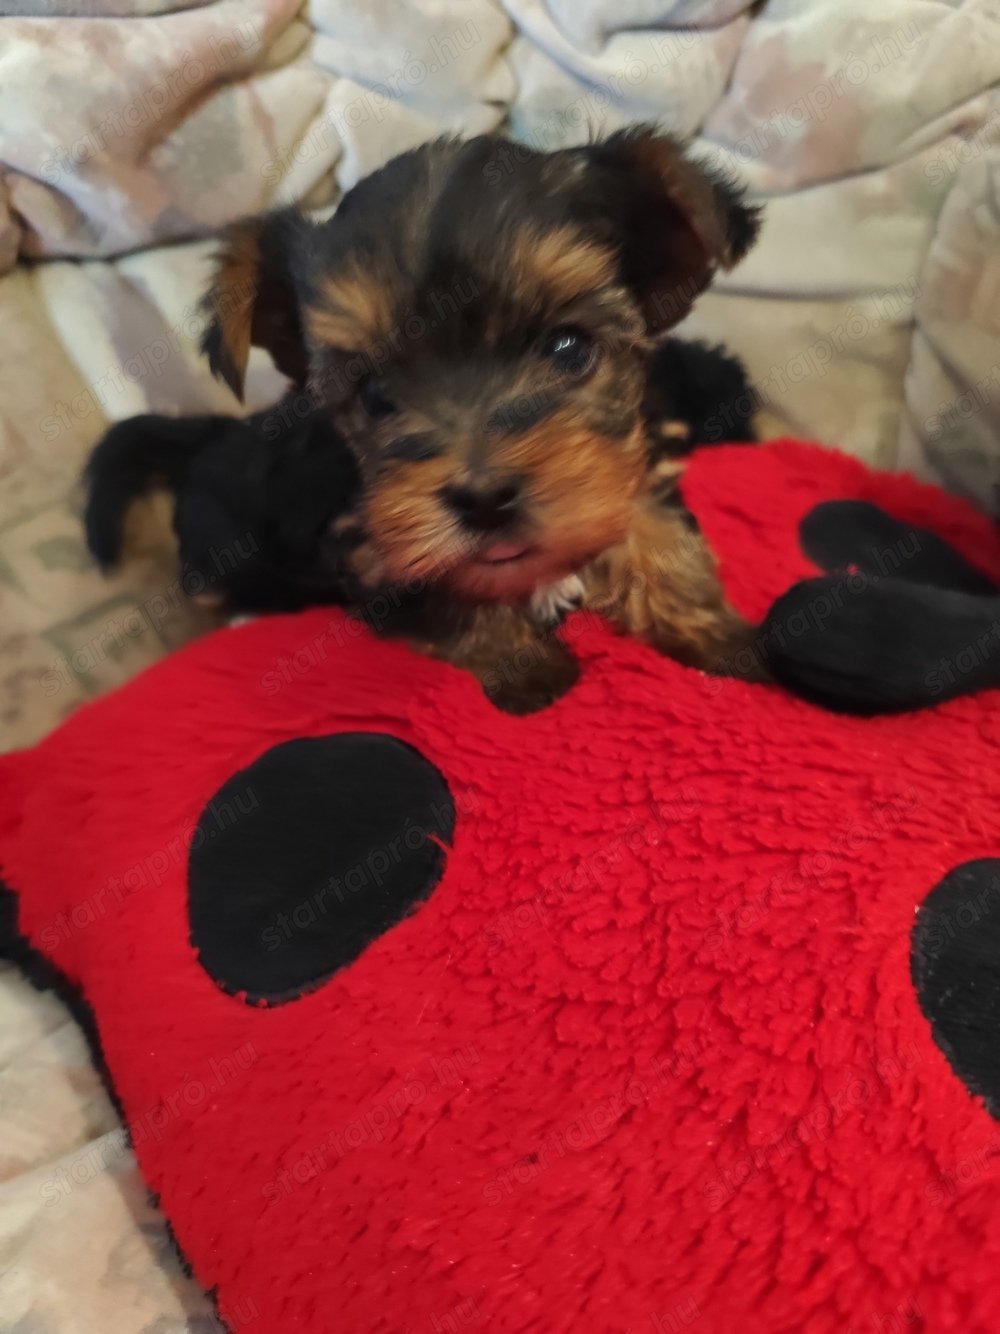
(955, 964)
(304, 858)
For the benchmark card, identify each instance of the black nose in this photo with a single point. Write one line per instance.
(487, 506)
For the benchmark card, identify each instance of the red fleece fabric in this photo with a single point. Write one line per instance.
(648, 1058)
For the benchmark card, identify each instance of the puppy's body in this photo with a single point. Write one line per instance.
(477, 322)
(267, 519)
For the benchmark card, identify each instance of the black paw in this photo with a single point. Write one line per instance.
(860, 646)
(841, 535)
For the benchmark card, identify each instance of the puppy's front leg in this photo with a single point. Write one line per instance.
(511, 651)
(521, 666)
(662, 586)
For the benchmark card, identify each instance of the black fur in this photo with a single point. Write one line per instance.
(743, 220)
(133, 456)
(704, 386)
(255, 500)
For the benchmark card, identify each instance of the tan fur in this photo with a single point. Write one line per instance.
(354, 311)
(560, 266)
(669, 431)
(519, 669)
(410, 528)
(579, 493)
(661, 585)
(230, 301)
(581, 484)
(365, 564)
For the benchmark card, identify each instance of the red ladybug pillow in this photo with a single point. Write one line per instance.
(674, 1005)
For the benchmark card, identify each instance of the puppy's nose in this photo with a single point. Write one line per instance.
(485, 506)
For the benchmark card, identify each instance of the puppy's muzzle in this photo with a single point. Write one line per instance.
(485, 507)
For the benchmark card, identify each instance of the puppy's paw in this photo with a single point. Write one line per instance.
(860, 646)
(552, 604)
(522, 686)
(841, 535)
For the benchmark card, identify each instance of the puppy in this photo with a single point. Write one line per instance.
(477, 323)
(264, 505)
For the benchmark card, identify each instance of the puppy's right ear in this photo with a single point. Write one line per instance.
(254, 297)
(677, 221)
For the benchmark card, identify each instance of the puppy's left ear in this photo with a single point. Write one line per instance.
(254, 297)
(677, 221)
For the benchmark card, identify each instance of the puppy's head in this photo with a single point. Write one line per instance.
(475, 319)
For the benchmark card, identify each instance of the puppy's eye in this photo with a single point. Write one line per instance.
(411, 449)
(374, 399)
(571, 350)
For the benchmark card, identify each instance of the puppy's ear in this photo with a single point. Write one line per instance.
(678, 222)
(254, 297)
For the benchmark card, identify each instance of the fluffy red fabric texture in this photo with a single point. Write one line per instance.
(648, 1058)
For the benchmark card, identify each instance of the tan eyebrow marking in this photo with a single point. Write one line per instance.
(560, 265)
(354, 310)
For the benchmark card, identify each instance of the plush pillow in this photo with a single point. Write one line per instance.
(676, 1003)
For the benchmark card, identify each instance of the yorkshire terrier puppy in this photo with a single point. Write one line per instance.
(478, 323)
(263, 503)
